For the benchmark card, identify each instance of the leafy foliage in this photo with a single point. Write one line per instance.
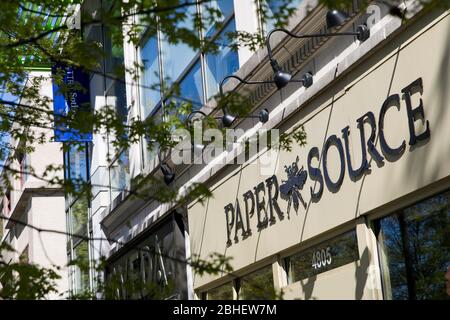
(29, 41)
(24, 281)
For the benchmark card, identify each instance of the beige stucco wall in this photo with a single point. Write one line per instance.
(49, 249)
(421, 51)
(41, 204)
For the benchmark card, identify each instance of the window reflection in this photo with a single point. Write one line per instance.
(276, 8)
(174, 59)
(175, 63)
(191, 87)
(328, 255)
(223, 63)
(414, 250)
(224, 292)
(113, 48)
(79, 216)
(226, 9)
(77, 210)
(150, 81)
(120, 174)
(77, 163)
(257, 285)
(117, 98)
(81, 268)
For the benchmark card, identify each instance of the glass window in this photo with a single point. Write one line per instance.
(210, 9)
(222, 63)
(79, 216)
(76, 169)
(175, 63)
(78, 166)
(120, 175)
(81, 268)
(66, 165)
(116, 90)
(77, 163)
(414, 250)
(113, 48)
(224, 292)
(257, 285)
(151, 150)
(117, 98)
(150, 81)
(278, 8)
(191, 87)
(323, 257)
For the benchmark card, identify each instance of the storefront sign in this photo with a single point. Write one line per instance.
(146, 266)
(263, 200)
(71, 100)
(152, 266)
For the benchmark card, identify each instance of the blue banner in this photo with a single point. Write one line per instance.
(71, 100)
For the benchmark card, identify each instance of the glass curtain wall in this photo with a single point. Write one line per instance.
(115, 95)
(196, 75)
(76, 163)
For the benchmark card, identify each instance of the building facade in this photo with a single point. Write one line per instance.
(34, 201)
(361, 211)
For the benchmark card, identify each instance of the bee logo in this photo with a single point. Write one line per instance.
(290, 188)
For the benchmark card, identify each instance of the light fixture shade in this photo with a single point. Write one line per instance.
(336, 18)
(281, 79)
(169, 175)
(264, 115)
(363, 32)
(168, 179)
(228, 120)
(308, 80)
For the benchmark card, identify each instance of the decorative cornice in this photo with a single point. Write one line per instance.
(25, 196)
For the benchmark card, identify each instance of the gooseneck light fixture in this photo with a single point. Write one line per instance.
(196, 146)
(192, 114)
(167, 171)
(228, 119)
(334, 18)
